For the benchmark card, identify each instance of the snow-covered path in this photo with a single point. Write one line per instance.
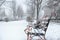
(53, 31)
(13, 30)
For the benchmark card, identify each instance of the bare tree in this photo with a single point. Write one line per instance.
(31, 8)
(14, 8)
(20, 12)
(1, 2)
(54, 6)
(34, 6)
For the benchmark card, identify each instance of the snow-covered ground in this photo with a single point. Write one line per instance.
(13, 30)
(53, 31)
